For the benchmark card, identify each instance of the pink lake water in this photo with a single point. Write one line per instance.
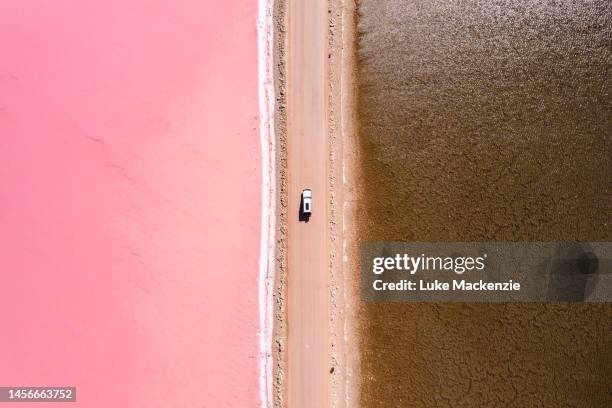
(130, 201)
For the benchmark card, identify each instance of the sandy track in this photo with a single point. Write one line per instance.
(308, 308)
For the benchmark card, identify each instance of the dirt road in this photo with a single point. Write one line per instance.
(309, 340)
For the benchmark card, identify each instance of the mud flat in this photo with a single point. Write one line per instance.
(484, 122)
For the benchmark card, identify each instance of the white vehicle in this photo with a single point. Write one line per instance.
(307, 202)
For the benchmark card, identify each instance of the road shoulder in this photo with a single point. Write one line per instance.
(343, 187)
(279, 346)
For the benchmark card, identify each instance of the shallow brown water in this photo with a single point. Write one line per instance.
(485, 121)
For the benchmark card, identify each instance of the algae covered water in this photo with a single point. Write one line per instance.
(485, 121)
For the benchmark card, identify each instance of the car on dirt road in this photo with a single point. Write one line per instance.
(307, 202)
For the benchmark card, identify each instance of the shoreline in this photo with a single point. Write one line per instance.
(279, 334)
(344, 289)
(266, 91)
(347, 279)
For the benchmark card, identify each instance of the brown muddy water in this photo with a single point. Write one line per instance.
(485, 121)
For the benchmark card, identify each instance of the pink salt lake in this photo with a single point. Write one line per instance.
(130, 201)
